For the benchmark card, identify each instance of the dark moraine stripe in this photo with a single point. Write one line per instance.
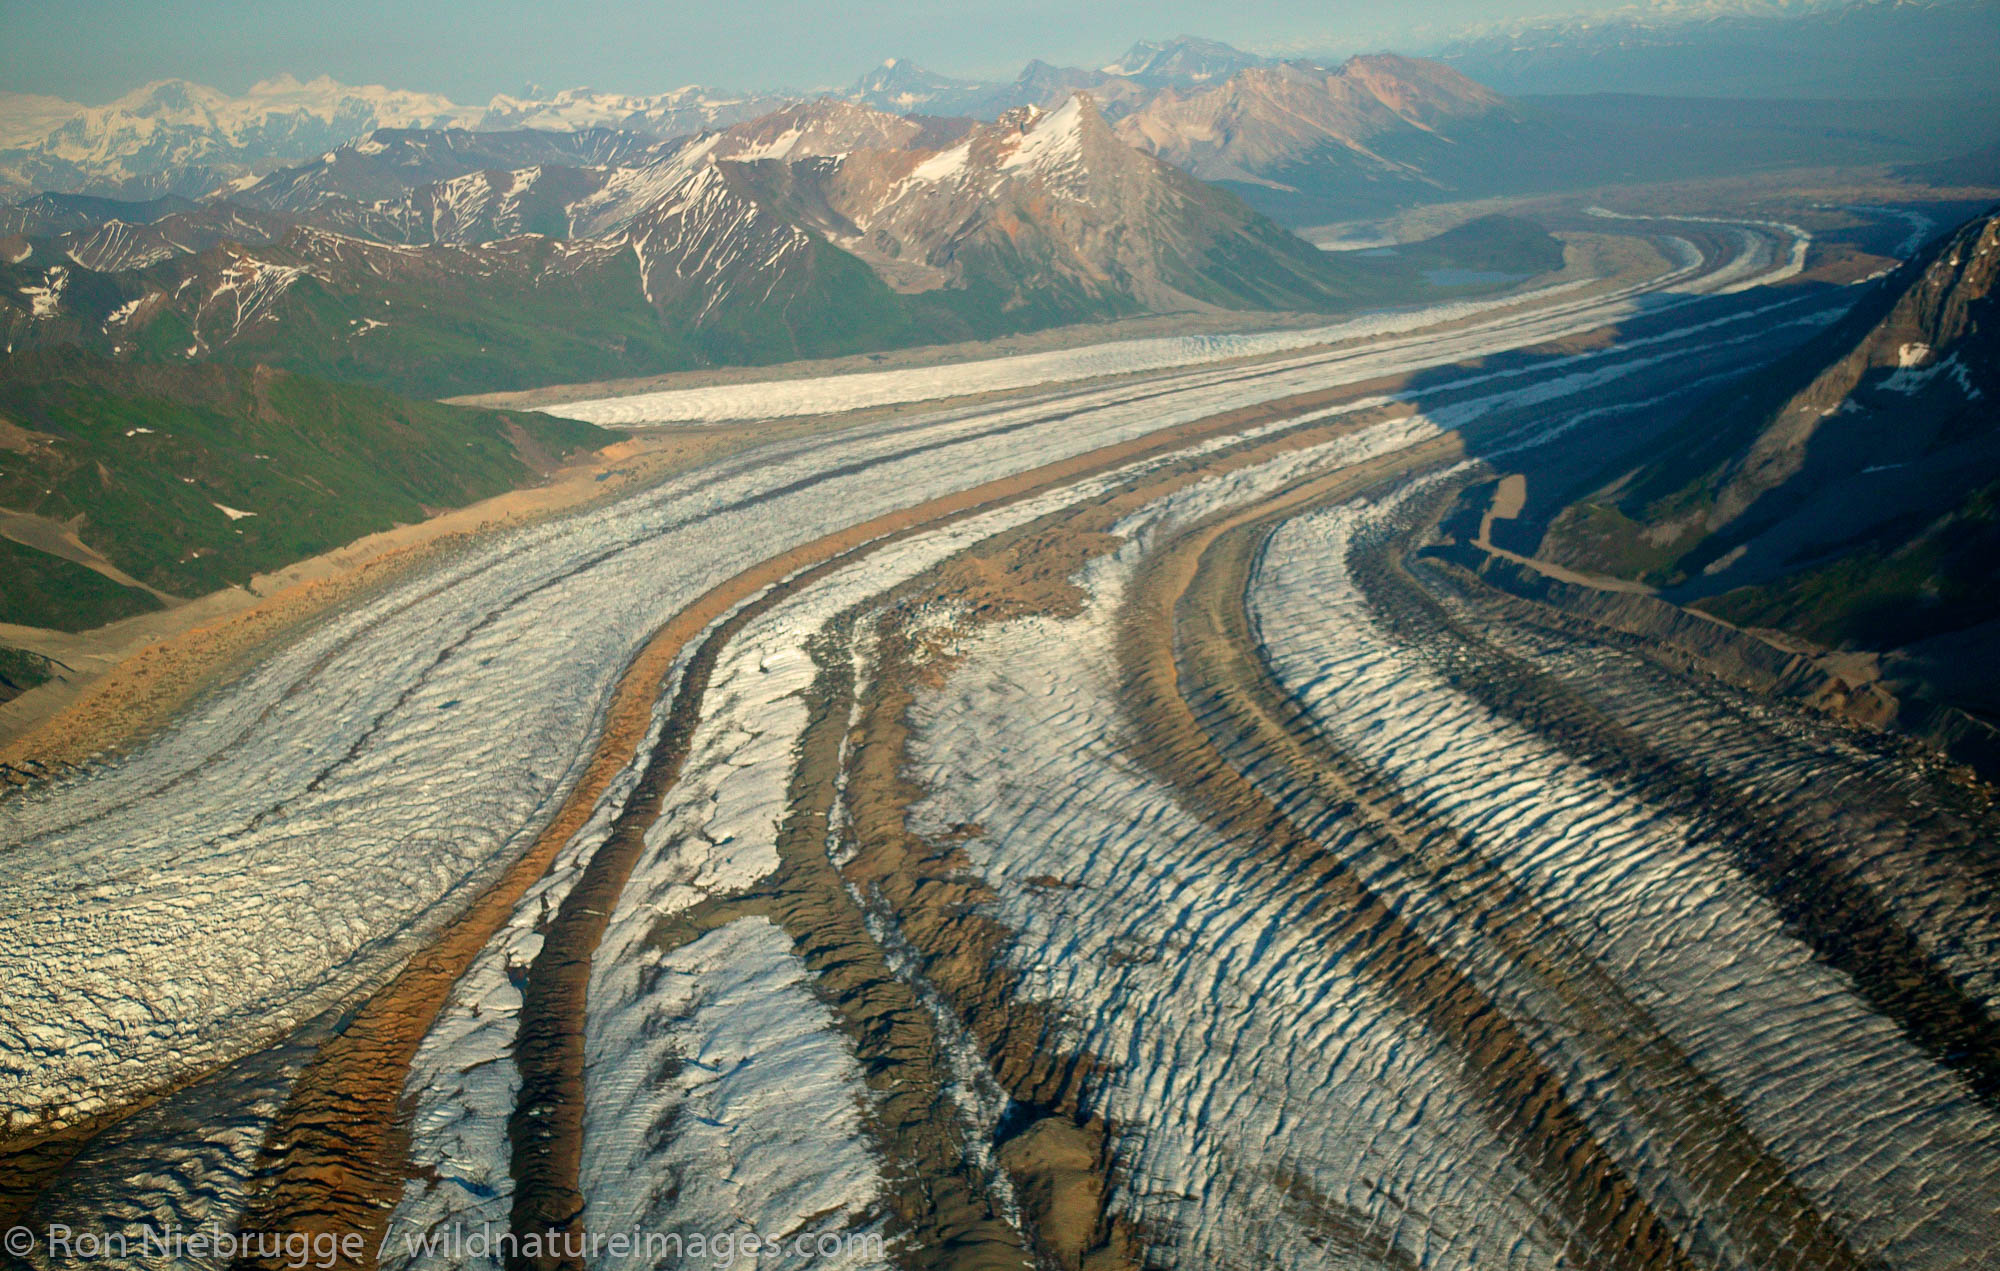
(1842, 920)
(1258, 726)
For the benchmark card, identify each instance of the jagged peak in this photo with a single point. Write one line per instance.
(1187, 57)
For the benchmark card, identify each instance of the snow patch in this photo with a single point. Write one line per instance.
(1052, 143)
(123, 313)
(44, 301)
(944, 165)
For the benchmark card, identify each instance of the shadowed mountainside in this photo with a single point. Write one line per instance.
(1850, 493)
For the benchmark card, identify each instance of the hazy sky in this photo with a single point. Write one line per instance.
(92, 50)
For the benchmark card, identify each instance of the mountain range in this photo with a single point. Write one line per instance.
(443, 255)
(188, 380)
(1124, 84)
(177, 137)
(1926, 49)
(180, 138)
(445, 261)
(1373, 131)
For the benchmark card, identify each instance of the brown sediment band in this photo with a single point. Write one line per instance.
(1609, 1223)
(379, 1029)
(1249, 716)
(334, 1158)
(938, 1196)
(155, 679)
(547, 1126)
(923, 885)
(320, 1171)
(26, 1167)
(1837, 914)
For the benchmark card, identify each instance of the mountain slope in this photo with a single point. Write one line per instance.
(50, 214)
(118, 244)
(390, 161)
(1185, 59)
(1308, 145)
(433, 322)
(675, 113)
(177, 137)
(189, 478)
(1046, 87)
(1052, 212)
(900, 86)
(1851, 493)
(1373, 132)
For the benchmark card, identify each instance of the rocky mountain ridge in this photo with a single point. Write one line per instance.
(1332, 137)
(412, 261)
(1849, 494)
(1266, 121)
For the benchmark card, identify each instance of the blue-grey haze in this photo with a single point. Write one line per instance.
(93, 50)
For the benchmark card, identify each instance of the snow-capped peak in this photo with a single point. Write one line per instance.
(1186, 59)
(1048, 142)
(177, 136)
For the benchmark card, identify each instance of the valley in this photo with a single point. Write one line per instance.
(867, 717)
(1270, 654)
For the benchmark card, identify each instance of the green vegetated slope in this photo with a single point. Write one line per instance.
(481, 332)
(445, 321)
(154, 403)
(1929, 576)
(141, 461)
(41, 590)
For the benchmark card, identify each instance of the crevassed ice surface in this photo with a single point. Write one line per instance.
(463, 1081)
(1867, 1124)
(791, 1159)
(1246, 1061)
(1244, 1056)
(297, 832)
